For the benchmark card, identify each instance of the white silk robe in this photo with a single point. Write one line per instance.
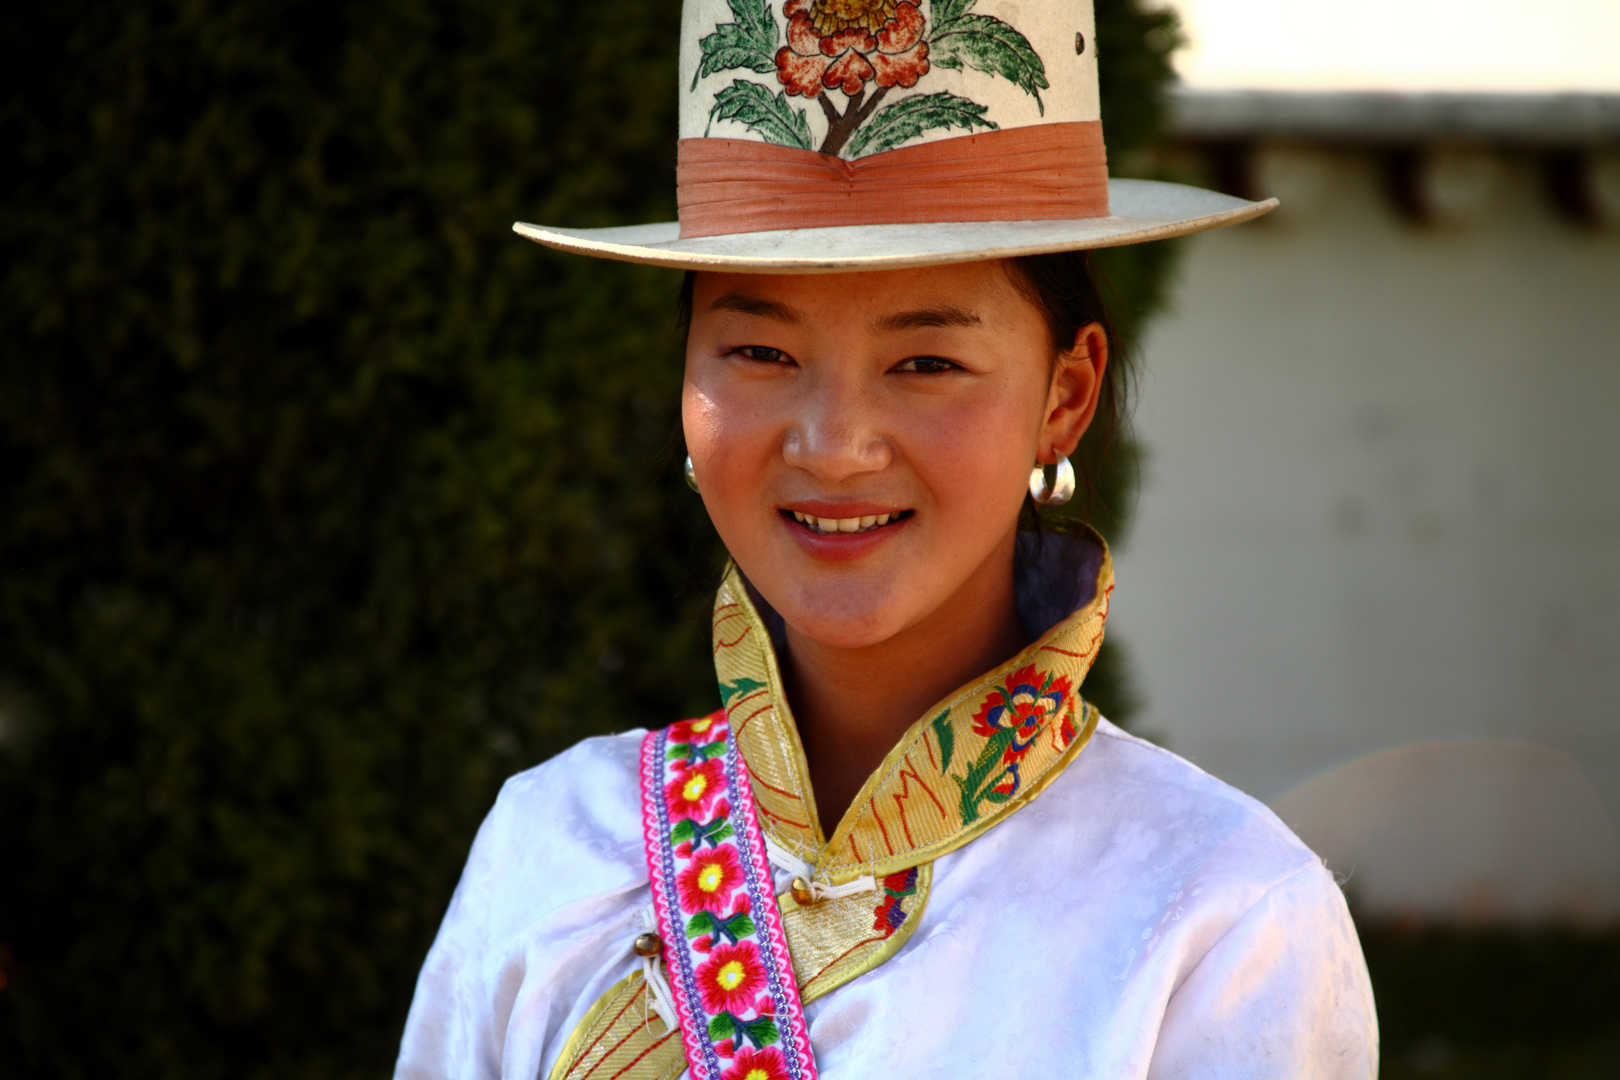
(1138, 919)
(1133, 918)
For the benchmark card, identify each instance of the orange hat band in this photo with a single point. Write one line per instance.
(1043, 172)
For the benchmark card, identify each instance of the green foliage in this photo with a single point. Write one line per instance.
(750, 42)
(910, 117)
(769, 114)
(988, 45)
(325, 503)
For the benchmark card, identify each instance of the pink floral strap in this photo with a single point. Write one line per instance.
(729, 969)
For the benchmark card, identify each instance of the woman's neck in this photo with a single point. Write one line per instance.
(853, 705)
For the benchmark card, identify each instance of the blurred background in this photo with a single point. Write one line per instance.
(326, 504)
(1374, 571)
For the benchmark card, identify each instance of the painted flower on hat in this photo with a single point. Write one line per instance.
(866, 49)
(730, 977)
(707, 882)
(751, 1064)
(845, 44)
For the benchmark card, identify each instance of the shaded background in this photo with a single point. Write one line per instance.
(326, 503)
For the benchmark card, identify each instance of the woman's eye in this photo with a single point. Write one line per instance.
(763, 353)
(926, 365)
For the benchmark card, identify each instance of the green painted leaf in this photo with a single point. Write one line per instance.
(910, 117)
(740, 688)
(948, 11)
(754, 106)
(684, 830)
(750, 42)
(700, 924)
(992, 46)
(677, 750)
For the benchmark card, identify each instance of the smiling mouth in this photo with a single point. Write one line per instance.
(828, 526)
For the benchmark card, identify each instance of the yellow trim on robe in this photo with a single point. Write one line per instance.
(621, 1037)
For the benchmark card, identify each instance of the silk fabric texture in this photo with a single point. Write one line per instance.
(1135, 918)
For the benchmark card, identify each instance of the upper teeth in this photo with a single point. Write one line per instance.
(843, 525)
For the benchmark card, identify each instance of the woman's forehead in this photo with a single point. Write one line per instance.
(965, 295)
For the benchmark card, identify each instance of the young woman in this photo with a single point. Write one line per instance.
(906, 845)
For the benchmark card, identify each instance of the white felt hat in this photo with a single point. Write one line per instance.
(840, 135)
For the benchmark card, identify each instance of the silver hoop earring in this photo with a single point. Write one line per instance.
(691, 474)
(1062, 489)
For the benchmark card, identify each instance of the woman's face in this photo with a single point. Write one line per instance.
(863, 441)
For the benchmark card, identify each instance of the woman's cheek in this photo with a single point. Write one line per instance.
(970, 460)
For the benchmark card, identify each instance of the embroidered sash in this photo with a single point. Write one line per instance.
(730, 973)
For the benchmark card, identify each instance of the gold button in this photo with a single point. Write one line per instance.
(800, 890)
(649, 945)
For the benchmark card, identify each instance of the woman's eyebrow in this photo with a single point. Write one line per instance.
(944, 315)
(749, 303)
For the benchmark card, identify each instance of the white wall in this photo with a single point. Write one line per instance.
(1382, 498)
(1488, 45)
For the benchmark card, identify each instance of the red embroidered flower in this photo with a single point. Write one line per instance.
(694, 789)
(730, 977)
(844, 44)
(1020, 706)
(702, 731)
(751, 1064)
(707, 882)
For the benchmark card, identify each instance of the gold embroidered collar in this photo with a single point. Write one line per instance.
(971, 760)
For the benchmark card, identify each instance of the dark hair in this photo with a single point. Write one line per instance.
(1070, 294)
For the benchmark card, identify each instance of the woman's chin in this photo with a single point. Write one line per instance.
(847, 617)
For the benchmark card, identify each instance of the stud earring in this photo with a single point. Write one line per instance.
(691, 474)
(1062, 489)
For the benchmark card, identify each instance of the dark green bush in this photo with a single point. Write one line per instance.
(1496, 1004)
(325, 503)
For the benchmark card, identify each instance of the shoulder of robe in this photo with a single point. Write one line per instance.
(1136, 802)
(562, 832)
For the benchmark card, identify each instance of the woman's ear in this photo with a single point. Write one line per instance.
(1071, 401)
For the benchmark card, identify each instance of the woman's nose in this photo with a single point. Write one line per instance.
(836, 433)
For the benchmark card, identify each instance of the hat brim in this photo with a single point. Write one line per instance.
(1141, 210)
